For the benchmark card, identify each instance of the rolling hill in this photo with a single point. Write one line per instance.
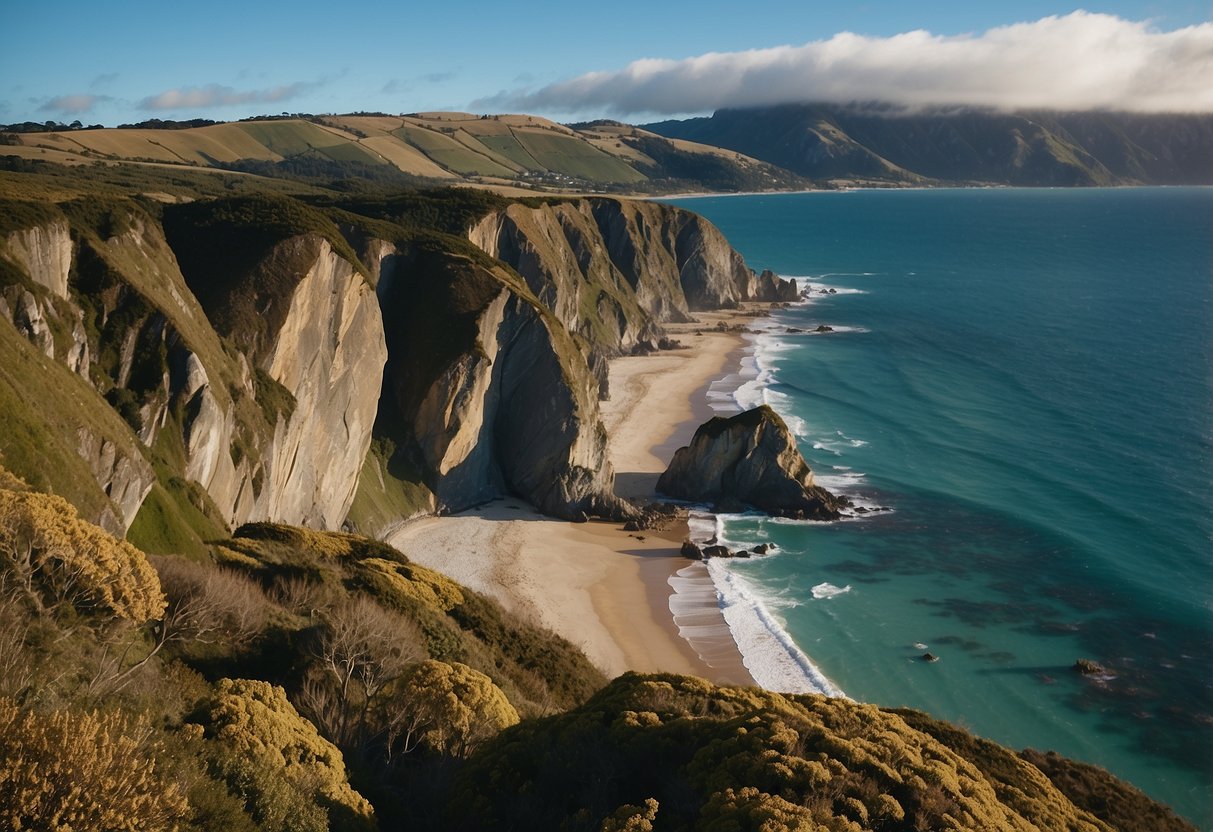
(500, 151)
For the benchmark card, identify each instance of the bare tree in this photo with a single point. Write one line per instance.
(362, 650)
(206, 605)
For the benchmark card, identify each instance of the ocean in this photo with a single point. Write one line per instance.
(1024, 378)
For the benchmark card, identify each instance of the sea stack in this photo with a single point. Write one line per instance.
(749, 458)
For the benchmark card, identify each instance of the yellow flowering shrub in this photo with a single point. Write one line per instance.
(629, 818)
(66, 559)
(453, 708)
(255, 722)
(749, 810)
(735, 759)
(82, 772)
(395, 581)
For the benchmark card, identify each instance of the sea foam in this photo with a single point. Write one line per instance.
(767, 651)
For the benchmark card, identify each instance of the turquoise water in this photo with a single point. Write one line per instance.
(1025, 377)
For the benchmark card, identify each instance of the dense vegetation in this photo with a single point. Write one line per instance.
(269, 685)
(302, 680)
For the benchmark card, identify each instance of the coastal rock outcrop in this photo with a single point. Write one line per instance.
(772, 288)
(752, 458)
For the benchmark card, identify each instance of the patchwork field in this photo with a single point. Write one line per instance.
(497, 151)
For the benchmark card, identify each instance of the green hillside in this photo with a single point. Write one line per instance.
(488, 151)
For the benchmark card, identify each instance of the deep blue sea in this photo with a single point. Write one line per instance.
(1025, 378)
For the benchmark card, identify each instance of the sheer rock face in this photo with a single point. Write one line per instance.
(258, 376)
(45, 253)
(329, 355)
(489, 394)
(323, 343)
(613, 270)
(752, 458)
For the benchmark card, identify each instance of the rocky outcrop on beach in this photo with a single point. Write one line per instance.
(749, 458)
(772, 288)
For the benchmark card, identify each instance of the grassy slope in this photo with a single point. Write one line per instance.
(436, 145)
(536, 668)
(43, 407)
(451, 154)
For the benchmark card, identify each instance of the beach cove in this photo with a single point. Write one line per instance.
(605, 589)
(1009, 571)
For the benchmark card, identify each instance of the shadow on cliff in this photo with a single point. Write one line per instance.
(636, 485)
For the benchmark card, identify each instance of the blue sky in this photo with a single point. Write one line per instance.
(128, 61)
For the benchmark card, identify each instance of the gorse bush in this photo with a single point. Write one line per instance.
(265, 744)
(742, 759)
(451, 709)
(82, 772)
(62, 559)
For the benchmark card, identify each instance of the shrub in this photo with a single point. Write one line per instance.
(60, 558)
(361, 652)
(67, 771)
(275, 759)
(208, 604)
(451, 708)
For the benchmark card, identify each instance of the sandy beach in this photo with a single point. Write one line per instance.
(605, 589)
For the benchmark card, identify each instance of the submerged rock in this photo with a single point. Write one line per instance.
(1089, 668)
(749, 458)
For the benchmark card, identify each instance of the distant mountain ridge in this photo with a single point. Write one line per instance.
(881, 145)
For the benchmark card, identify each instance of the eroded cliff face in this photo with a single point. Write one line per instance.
(45, 253)
(614, 270)
(243, 346)
(488, 393)
(276, 432)
(313, 366)
(329, 355)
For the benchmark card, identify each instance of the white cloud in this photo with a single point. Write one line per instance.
(214, 95)
(1079, 61)
(73, 104)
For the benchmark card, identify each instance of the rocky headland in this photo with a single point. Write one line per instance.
(334, 365)
(193, 375)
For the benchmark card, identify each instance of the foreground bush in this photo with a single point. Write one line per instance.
(290, 777)
(82, 772)
(61, 559)
(671, 752)
(451, 708)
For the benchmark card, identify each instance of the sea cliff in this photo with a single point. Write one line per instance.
(256, 349)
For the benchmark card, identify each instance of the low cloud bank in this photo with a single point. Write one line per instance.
(1081, 61)
(215, 95)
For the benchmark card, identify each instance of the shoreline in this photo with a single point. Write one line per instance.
(605, 589)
